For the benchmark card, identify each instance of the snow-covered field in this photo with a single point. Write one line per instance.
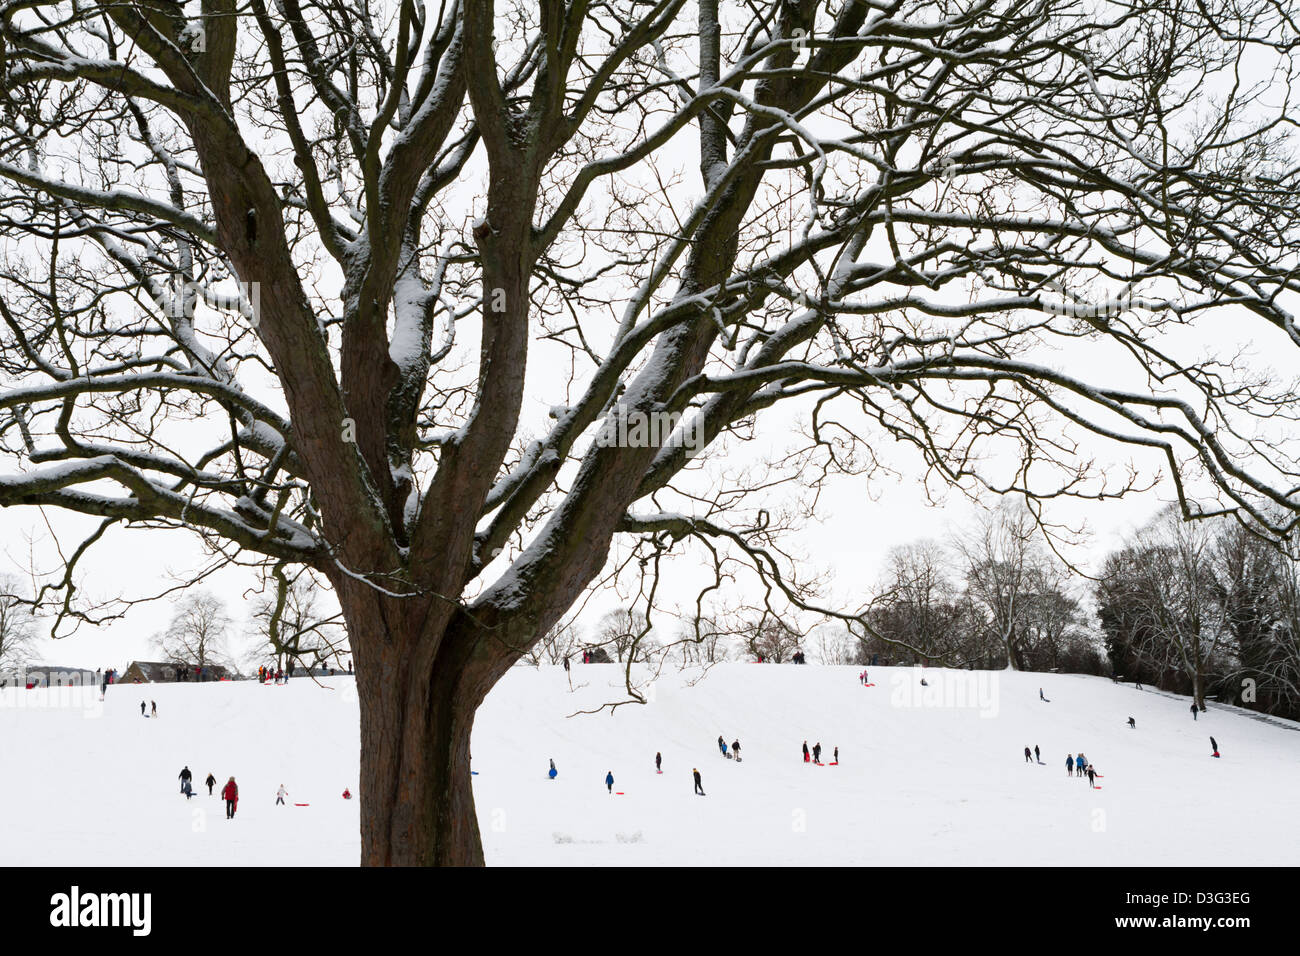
(927, 776)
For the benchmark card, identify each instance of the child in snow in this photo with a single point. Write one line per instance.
(1028, 754)
(1069, 765)
(699, 787)
(609, 780)
(552, 772)
(1091, 775)
(211, 782)
(1037, 758)
(836, 758)
(805, 751)
(280, 795)
(347, 794)
(1193, 712)
(1132, 724)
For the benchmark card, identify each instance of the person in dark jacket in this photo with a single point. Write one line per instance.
(230, 793)
(1091, 775)
(1037, 758)
(1069, 765)
(141, 708)
(659, 762)
(1028, 755)
(817, 752)
(552, 772)
(836, 756)
(1214, 748)
(609, 780)
(1132, 724)
(185, 777)
(699, 787)
(1193, 711)
(805, 751)
(211, 782)
(735, 749)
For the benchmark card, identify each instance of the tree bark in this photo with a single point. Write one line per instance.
(417, 802)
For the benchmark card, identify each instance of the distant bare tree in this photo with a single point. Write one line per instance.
(624, 632)
(18, 636)
(197, 633)
(295, 622)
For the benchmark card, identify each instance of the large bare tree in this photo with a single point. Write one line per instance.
(394, 292)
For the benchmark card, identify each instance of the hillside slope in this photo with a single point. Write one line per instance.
(927, 776)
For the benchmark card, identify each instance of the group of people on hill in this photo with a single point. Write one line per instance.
(817, 753)
(1080, 767)
(153, 709)
(273, 675)
(734, 753)
(229, 793)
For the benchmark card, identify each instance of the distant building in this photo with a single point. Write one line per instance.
(49, 675)
(169, 672)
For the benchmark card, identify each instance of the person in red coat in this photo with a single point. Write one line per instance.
(230, 793)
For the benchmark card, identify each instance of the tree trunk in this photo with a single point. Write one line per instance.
(417, 802)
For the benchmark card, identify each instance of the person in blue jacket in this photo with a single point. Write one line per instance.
(609, 780)
(1078, 766)
(551, 773)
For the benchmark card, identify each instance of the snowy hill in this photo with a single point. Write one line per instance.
(927, 776)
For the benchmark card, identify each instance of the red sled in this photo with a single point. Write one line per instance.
(1215, 754)
(302, 804)
(833, 763)
(618, 793)
(868, 685)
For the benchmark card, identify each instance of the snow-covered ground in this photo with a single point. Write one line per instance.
(927, 776)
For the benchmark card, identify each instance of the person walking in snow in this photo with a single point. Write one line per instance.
(1214, 748)
(230, 793)
(817, 752)
(1028, 754)
(722, 745)
(735, 749)
(836, 758)
(1193, 711)
(609, 780)
(211, 782)
(141, 708)
(552, 772)
(1069, 765)
(1092, 783)
(1037, 758)
(659, 762)
(1132, 724)
(153, 709)
(805, 751)
(185, 777)
(699, 787)
(1041, 697)
(1078, 766)
(280, 795)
